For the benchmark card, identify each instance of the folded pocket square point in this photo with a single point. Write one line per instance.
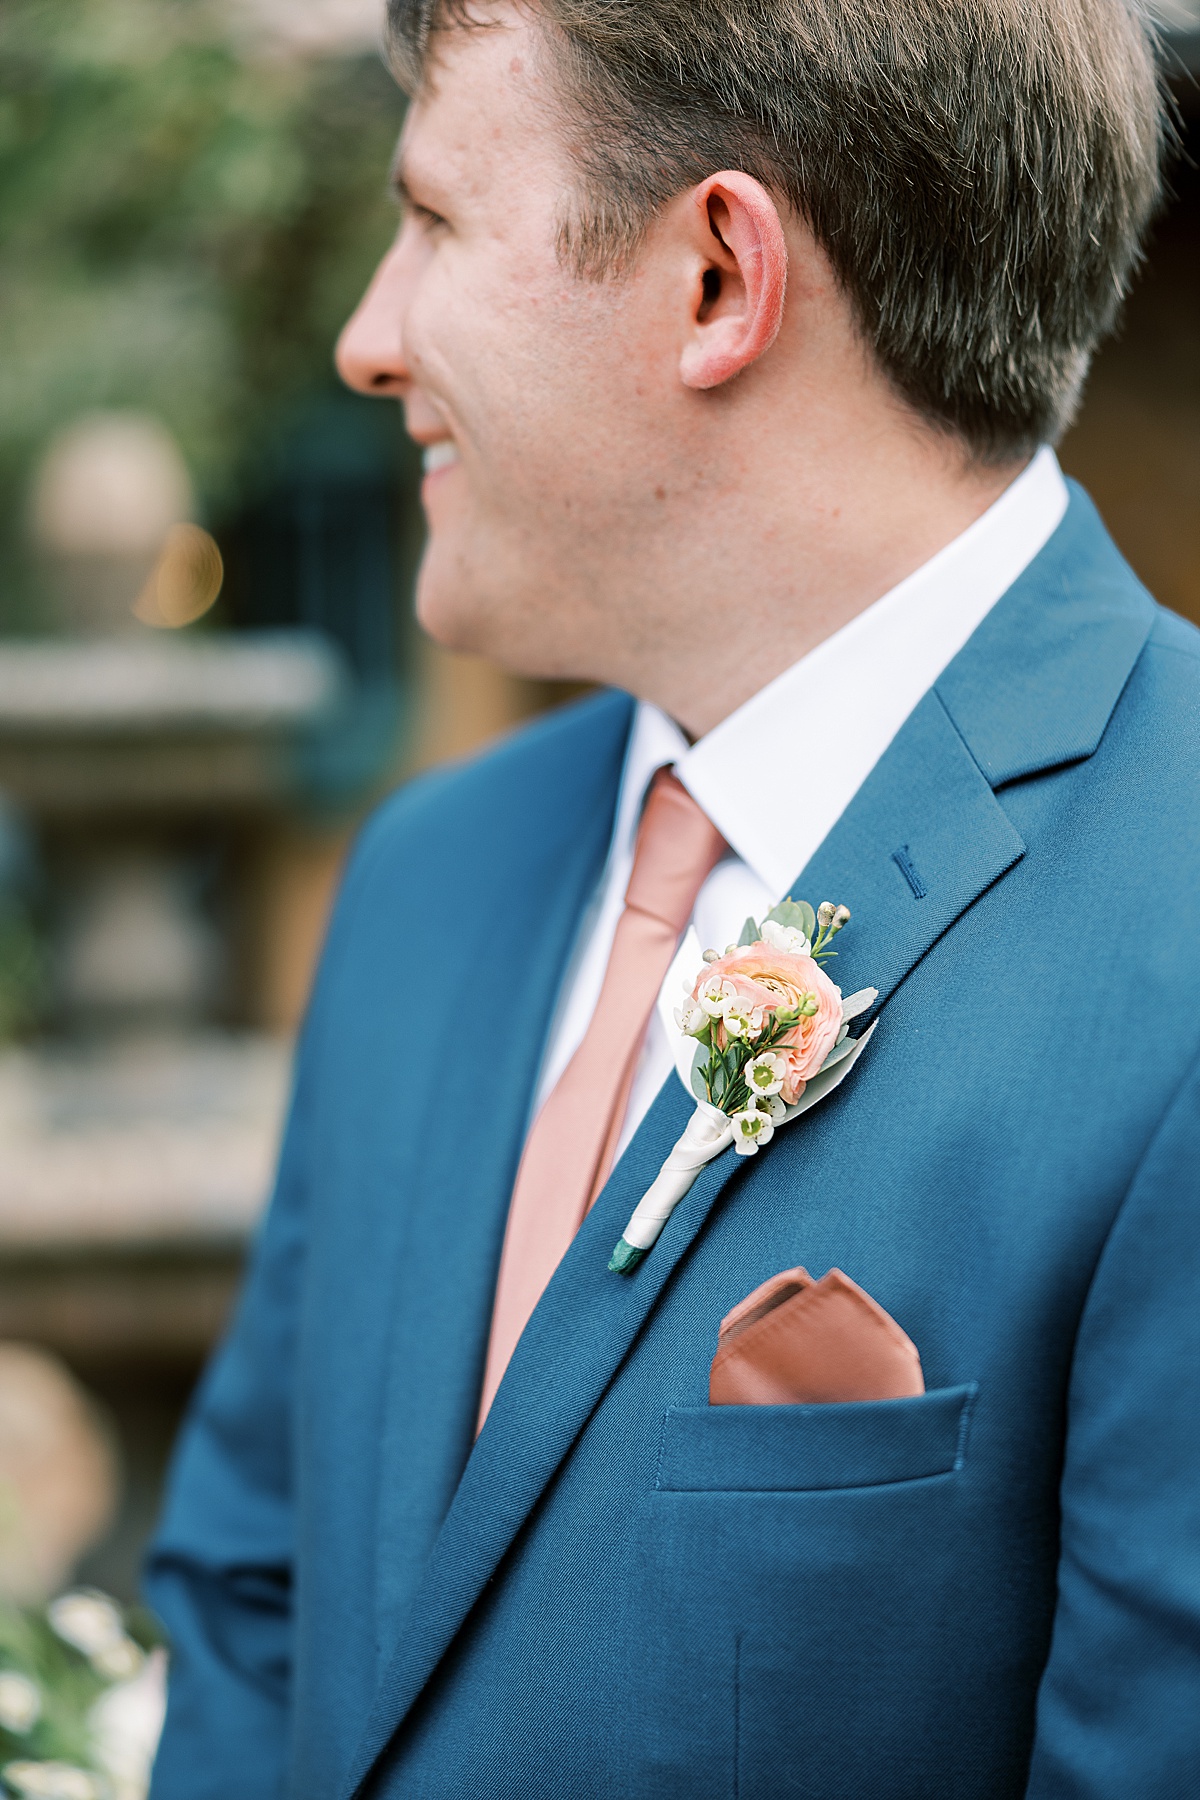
(797, 1341)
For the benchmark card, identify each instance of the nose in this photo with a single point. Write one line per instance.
(370, 352)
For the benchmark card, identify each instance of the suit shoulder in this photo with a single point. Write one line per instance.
(1164, 689)
(1173, 634)
(1150, 762)
(565, 760)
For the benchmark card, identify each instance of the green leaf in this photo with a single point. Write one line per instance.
(797, 914)
(749, 933)
(840, 1049)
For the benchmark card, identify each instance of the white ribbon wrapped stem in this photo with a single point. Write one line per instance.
(706, 1134)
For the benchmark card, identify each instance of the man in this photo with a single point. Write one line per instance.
(731, 333)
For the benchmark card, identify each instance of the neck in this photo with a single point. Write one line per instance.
(803, 545)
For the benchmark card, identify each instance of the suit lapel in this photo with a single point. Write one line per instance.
(923, 838)
(441, 1275)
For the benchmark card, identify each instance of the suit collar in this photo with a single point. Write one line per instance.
(1036, 685)
(856, 688)
(923, 838)
(1032, 690)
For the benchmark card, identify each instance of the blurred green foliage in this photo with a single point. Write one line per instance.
(24, 970)
(185, 221)
(67, 1683)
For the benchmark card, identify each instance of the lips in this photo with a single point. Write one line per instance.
(439, 456)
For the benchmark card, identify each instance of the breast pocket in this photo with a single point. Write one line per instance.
(805, 1449)
(791, 1558)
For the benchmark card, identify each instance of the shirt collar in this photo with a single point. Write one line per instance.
(776, 775)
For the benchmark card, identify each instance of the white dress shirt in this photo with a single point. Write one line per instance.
(829, 718)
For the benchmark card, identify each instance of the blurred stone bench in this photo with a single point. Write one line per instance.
(132, 1176)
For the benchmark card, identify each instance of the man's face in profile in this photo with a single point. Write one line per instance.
(624, 470)
(534, 392)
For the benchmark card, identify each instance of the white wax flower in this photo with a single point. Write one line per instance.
(784, 937)
(765, 1074)
(691, 1018)
(715, 996)
(752, 1129)
(742, 1021)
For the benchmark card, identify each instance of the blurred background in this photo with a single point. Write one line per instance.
(208, 672)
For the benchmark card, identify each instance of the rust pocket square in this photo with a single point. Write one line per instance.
(796, 1340)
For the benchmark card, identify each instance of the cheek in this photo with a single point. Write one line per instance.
(557, 459)
(546, 399)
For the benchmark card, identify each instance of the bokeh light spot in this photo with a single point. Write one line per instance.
(184, 581)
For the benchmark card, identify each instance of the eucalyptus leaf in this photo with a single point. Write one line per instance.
(844, 1047)
(824, 1082)
(797, 915)
(749, 933)
(699, 1066)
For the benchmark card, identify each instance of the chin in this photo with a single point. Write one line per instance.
(462, 613)
(448, 607)
(481, 605)
(446, 623)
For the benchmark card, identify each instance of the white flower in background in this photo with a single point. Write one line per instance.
(126, 1724)
(742, 1020)
(784, 937)
(751, 1130)
(86, 1620)
(691, 1018)
(20, 1702)
(52, 1781)
(765, 1075)
(119, 1661)
(92, 1623)
(715, 996)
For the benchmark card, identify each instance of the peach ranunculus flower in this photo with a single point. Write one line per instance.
(755, 980)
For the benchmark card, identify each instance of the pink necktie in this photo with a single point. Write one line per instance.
(570, 1148)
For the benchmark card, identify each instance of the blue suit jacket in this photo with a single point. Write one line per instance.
(989, 1591)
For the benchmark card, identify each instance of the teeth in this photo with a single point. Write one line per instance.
(439, 456)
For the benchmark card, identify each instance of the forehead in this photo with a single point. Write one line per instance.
(484, 113)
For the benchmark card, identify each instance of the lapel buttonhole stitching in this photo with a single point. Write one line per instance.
(908, 869)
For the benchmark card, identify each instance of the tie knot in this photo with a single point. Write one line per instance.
(677, 846)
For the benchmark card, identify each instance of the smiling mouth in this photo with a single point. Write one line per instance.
(438, 456)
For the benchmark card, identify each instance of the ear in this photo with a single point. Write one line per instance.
(742, 255)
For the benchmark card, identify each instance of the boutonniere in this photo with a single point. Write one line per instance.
(772, 1035)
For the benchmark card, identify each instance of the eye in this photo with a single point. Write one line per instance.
(426, 218)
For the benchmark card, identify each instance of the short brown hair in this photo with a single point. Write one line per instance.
(980, 172)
